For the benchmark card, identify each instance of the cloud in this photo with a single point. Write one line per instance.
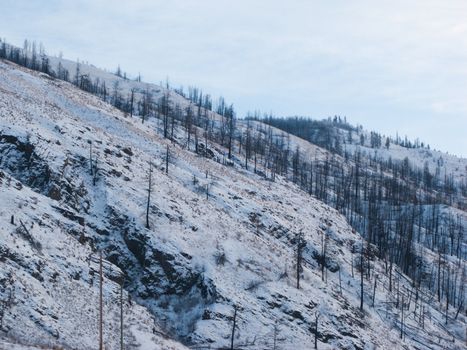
(390, 65)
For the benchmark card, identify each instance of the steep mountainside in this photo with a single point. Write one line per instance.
(407, 200)
(216, 240)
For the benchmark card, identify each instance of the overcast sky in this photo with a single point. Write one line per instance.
(398, 65)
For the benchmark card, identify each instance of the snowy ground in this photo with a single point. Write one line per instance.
(448, 163)
(200, 257)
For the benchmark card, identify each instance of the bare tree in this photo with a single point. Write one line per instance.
(149, 194)
(231, 127)
(300, 245)
(167, 155)
(316, 329)
(361, 277)
(233, 328)
(276, 332)
(132, 100)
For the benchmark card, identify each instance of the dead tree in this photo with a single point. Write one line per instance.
(299, 257)
(233, 328)
(390, 274)
(93, 164)
(121, 315)
(231, 128)
(90, 157)
(146, 105)
(167, 160)
(323, 254)
(206, 133)
(132, 101)
(361, 277)
(95, 172)
(149, 194)
(402, 318)
(374, 290)
(447, 294)
(276, 331)
(101, 308)
(316, 329)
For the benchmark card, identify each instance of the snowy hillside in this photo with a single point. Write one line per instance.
(340, 137)
(448, 163)
(220, 238)
(112, 81)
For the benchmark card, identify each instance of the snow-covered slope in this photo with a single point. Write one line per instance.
(112, 81)
(447, 163)
(125, 86)
(203, 255)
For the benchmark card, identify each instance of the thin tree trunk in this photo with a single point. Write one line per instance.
(149, 196)
(233, 328)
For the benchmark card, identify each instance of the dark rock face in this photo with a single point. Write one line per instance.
(158, 275)
(70, 215)
(205, 151)
(162, 272)
(136, 246)
(18, 157)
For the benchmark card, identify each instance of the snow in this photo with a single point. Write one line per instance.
(257, 275)
(448, 163)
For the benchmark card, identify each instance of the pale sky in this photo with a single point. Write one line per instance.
(392, 66)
